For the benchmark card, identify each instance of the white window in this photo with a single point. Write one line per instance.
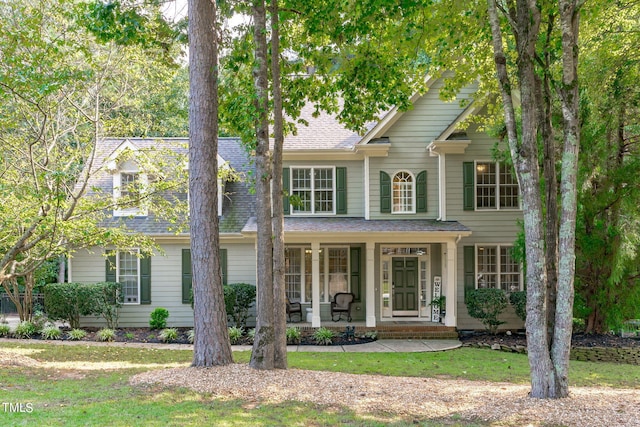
(334, 272)
(497, 268)
(313, 190)
(127, 188)
(128, 274)
(403, 193)
(496, 186)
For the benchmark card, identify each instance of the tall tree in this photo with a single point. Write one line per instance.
(263, 353)
(211, 343)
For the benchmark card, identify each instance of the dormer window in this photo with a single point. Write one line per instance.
(128, 181)
(127, 186)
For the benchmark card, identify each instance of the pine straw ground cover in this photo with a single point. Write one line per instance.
(87, 385)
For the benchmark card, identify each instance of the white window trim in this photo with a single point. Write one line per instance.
(117, 266)
(292, 208)
(498, 247)
(117, 183)
(475, 189)
(413, 193)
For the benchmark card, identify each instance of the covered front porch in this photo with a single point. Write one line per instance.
(394, 269)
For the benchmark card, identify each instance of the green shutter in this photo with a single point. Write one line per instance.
(110, 268)
(468, 188)
(286, 189)
(186, 276)
(385, 192)
(355, 272)
(469, 269)
(341, 190)
(223, 265)
(421, 192)
(145, 279)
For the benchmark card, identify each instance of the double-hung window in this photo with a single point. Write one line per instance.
(333, 269)
(496, 268)
(313, 190)
(496, 186)
(128, 270)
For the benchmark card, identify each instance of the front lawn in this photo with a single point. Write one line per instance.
(87, 385)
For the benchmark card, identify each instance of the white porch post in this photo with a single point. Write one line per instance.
(451, 285)
(370, 285)
(315, 284)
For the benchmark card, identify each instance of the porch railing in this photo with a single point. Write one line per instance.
(7, 307)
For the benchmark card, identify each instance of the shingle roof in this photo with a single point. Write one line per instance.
(361, 225)
(324, 132)
(237, 204)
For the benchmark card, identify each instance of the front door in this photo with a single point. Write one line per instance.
(405, 286)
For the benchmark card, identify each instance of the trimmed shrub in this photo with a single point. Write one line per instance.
(69, 301)
(51, 332)
(26, 329)
(293, 335)
(324, 336)
(238, 298)
(519, 302)
(76, 334)
(235, 334)
(5, 330)
(158, 318)
(486, 305)
(168, 335)
(106, 334)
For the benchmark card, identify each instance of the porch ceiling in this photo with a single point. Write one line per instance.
(307, 225)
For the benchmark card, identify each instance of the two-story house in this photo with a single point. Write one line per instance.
(414, 209)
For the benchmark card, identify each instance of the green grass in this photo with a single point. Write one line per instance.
(64, 396)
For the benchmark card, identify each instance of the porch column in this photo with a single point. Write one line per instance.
(370, 285)
(451, 285)
(315, 284)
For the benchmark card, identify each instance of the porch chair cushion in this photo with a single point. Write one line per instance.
(293, 308)
(341, 304)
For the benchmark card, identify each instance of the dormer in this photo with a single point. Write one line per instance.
(129, 181)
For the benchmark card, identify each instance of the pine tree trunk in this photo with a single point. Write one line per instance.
(211, 340)
(280, 313)
(262, 356)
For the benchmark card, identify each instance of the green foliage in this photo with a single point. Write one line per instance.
(76, 334)
(69, 301)
(106, 335)
(324, 336)
(51, 332)
(251, 334)
(168, 335)
(25, 329)
(238, 298)
(235, 334)
(191, 334)
(371, 334)
(518, 300)
(293, 335)
(5, 330)
(158, 318)
(486, 305)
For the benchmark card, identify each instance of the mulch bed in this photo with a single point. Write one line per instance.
(578, 340)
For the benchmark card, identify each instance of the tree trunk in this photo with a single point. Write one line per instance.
(211, 340)
(262, 356)
(280, 313)
(569, 97)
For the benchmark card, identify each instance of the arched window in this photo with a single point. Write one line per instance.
(403, 193)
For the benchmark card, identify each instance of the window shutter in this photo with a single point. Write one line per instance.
(186, 276)
(469, 269)
(223, 265)
(145, 279)
(355, 272)
(286, 189)
(421, 192)
(385, 192)
(110, 268)
(468, 191)
(341, 190)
